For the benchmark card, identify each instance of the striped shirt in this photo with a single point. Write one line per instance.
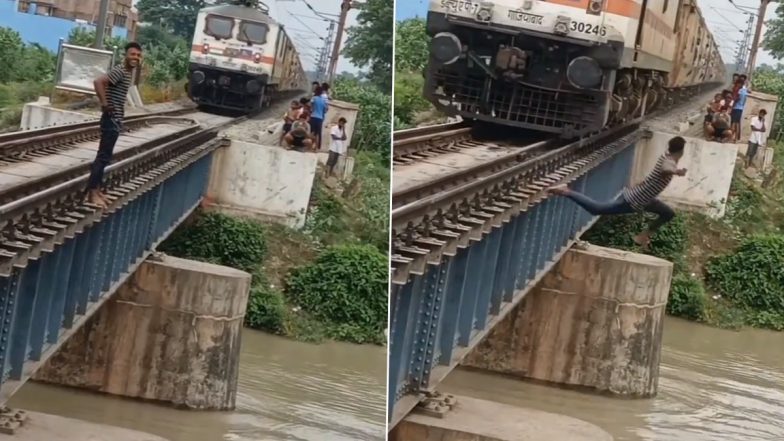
(642, 194)
(117, 92)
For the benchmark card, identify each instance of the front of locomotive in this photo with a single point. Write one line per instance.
(232, 57)
(542, 65)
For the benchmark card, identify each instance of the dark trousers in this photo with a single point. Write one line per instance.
(316, 125)
(110, 131)
(620, 206)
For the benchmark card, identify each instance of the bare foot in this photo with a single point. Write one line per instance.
(559, 189)
(643, 240)
(95, 198)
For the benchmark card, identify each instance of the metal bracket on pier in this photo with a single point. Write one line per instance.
(436, 404)
(11, 420)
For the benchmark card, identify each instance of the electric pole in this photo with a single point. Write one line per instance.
(100, 27)
(323, 60)
(333, 62)
(743, 49)
(757, 35)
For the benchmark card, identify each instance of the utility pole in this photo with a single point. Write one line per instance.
(323, 60)
(333, 62)
(757, 35)
(743, 49)
(100, 27)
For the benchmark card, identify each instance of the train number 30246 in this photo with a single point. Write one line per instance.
(587, 28)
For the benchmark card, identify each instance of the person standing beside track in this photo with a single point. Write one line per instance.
(641, 197)
(112, 90)
(319, 111)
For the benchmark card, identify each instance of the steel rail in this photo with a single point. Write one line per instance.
(41, 183)
(25, 135)
(416, 192)
(28, 145)
(413, 212)
(37, 222)
(405, 134)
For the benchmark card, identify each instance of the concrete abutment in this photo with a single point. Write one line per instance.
(170, 334)
(594, 321)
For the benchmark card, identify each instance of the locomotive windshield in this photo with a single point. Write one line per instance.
(218, 27)
(251, 32)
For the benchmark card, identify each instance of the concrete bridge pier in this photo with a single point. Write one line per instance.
(595, 321)
(170, 334)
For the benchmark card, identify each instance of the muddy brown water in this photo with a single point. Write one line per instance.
(287, 391)
(715, 385)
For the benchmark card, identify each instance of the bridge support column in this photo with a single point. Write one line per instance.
(480, 420)
(171, 334)
(594, 321)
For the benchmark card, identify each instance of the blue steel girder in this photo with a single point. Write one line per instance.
(45, 301)
(437, 317)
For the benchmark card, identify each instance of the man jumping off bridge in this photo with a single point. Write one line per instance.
(112, 90)
(641, 197)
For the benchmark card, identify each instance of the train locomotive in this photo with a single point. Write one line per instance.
(570, 67)
(241, 58)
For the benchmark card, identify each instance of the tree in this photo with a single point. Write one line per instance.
(86, 37)
(11, 49)
(774, 35)
(411, 45)
(370, 42)
(177, 16)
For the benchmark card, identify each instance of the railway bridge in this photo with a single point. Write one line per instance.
(61, 259)
(473, 232)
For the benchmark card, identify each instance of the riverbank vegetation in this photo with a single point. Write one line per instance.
(728, 272)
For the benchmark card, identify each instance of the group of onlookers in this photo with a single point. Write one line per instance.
(724, 114)
(303, 125)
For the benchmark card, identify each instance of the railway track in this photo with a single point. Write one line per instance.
(40, 212)
(437, 216)
(414, 145)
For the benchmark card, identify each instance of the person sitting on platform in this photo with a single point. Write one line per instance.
(299, 137)
(721, 125)
(640, 197)
(288, 118)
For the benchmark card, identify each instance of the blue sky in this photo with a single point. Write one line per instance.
(724, 20)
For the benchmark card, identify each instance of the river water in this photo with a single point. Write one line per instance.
(715, 385)
(287, 391)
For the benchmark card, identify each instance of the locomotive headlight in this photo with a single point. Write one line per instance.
(594, 7)
(253, 87)
(485, 12)
(197, 77)
(205, 48)
(446, 48)
(584, 73)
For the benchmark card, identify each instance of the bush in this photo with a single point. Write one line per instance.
(347, 287)
(266, 307)
(219, 239)
(687, 298)
(372, 131)
(409, 99)
(753, 275)
(668, 243)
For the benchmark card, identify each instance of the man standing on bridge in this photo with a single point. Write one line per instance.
(641, 197)
(112, 90)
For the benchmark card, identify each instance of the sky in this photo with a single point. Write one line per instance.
(724, 20)
(307, 29)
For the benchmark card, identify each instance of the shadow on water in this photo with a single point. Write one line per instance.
(714, 385)
(287, 391)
